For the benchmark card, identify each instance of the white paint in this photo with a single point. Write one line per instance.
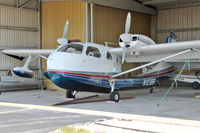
(81, 62)
(26, 52)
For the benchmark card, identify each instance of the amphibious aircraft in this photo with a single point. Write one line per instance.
(78, 66)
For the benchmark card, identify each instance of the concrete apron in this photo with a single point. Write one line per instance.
(142, 118)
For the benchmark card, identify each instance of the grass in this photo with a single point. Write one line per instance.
(68, 129)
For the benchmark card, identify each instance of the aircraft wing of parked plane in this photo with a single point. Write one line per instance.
(148, 53)
(23, 53)
(157, 49)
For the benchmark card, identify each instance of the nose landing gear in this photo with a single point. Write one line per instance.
(70, 94)
(153, 89)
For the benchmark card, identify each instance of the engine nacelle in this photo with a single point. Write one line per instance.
(22, 72)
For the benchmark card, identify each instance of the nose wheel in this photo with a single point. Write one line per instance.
(114, 96)
(70, 94)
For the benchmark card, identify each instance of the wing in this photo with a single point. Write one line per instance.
(30, 54)
(148, 53)
(22, 53)
(152, 63)
(168, 47)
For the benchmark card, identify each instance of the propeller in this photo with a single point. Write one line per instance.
(128, 23)
(126, 38)
(66, 29)
(63, 41)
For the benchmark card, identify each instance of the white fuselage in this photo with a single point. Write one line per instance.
(84, 60)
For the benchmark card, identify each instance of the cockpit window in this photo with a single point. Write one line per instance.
(134, 38)
(93, 51)
(72, 48)
(109, 56)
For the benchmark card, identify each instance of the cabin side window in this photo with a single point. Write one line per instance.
(72, 48)
(109, 56)
(93, 51)
(135, 38)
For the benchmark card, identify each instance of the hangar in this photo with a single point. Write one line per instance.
(37, 24)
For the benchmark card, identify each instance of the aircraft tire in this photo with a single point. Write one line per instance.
(195, 85)
(114, 96)
(69, 94)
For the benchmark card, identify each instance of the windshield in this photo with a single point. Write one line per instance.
(72, 48)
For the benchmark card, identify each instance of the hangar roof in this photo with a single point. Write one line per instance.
(165, 4)
(144, 6)
(27, 4)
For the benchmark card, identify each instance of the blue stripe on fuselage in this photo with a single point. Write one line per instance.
(94, 84)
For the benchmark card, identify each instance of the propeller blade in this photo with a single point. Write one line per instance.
(128, 23)
(66, 29)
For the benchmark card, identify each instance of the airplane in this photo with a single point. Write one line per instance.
(83, 66)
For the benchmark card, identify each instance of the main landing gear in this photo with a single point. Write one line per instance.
(70, 94)
(153, 89)
(114, 95)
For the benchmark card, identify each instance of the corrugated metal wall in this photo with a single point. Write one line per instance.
(183, 21)
(18, 29)
(109, 23)
(54, 16)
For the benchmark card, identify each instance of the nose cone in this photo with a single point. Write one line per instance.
(127, 45)
(126, 37)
